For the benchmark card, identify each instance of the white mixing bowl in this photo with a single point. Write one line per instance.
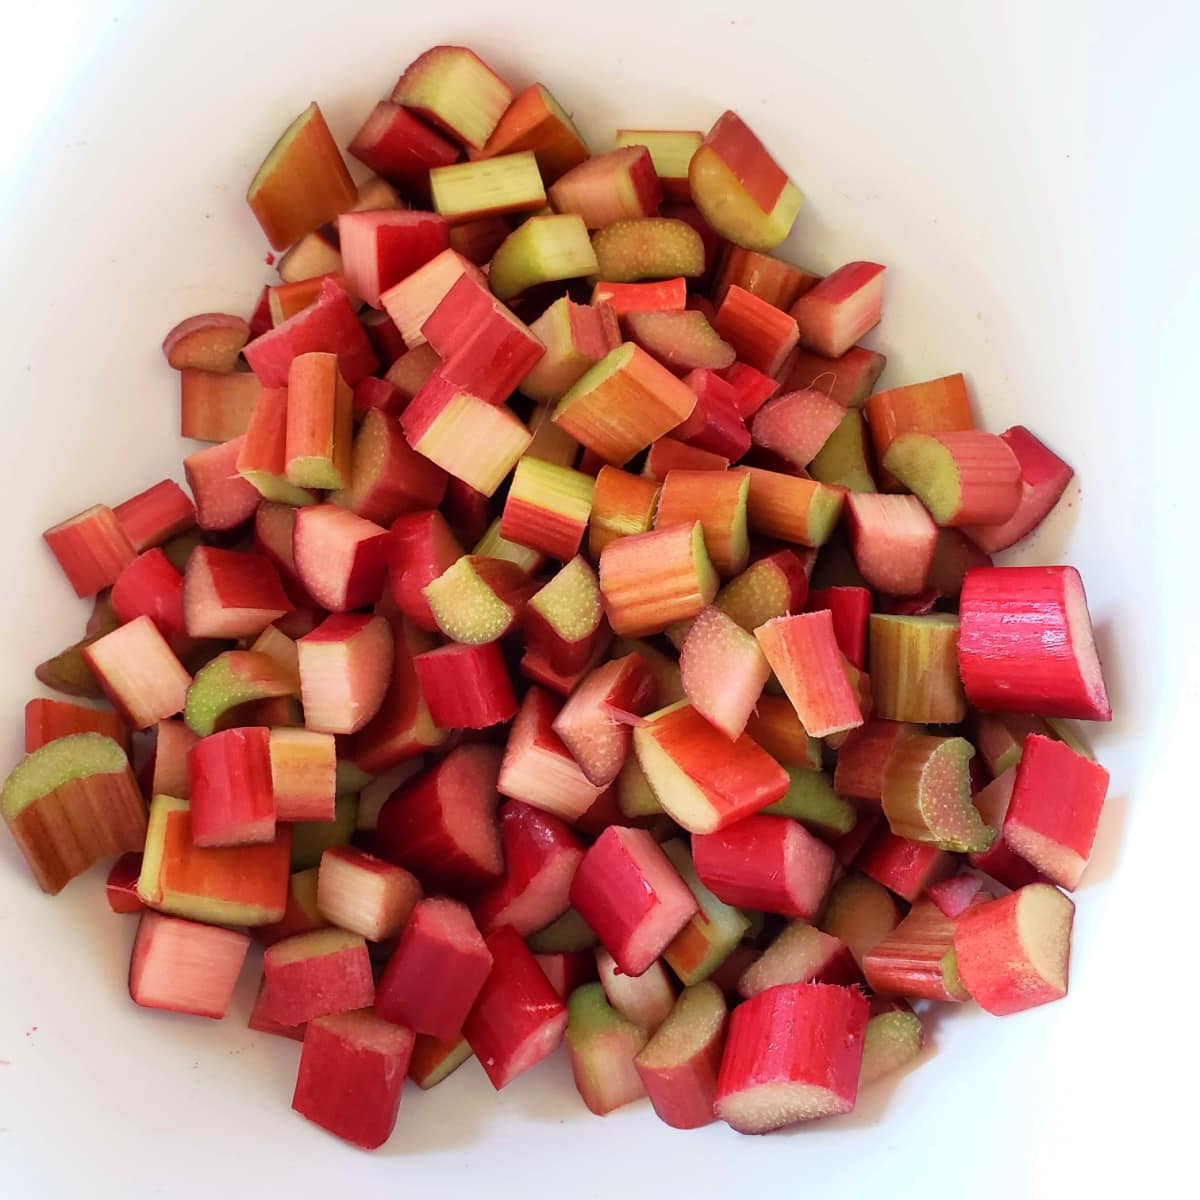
(1027, 172)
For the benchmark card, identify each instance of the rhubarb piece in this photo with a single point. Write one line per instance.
(403, 728)
(849, 378)
(801, 953)
(1025, 643)
(834, 314)
(936, 406)
(740, 190)
(1014, 953)
(156, 515)
(71, 803)
(207, 342)
(434, 1060)
(590, 723)
(927, 794)
(914, 669)
(671, 151)
(791, 509)
(702, 783)
(602, 1045)
(567, 970)
(1044, 478)
(315, 254)
(506, 184)
(536, 121)
(645, 999)
(319, 412)
(436, 973)
(517, 1019)
(1054, 809)
(767, 863)
(216, 407)
(964, 477)
(317, 974)
(412, 300)
(92, 549)
(576, 336)
(622, 504)
(850, 609)
(388, 478)
(466, 509)
(544, 249)
(566, 934)
(341, 558)
(478, 600)
(422, 548)
(843, 460)
(776, 728)
(768, 278)
(120, 888)
(793, 1053)
(345, 668)
(389, 346)
(652, 579)
(771, 587)
(230, 680)
(609, 187)
(381, 248)
(229, 785)
(285, 300)
(47, 720)
(624, 298)
(718, 501)
(223, 498)
(494, 544)
(564, 619)
(903, 866)
(260, 1022)
(466, 687)
(723, 671)
(710, 934)
(917, 958)
(401, 148)
(262, 459)
(679, 1065)
(623, 403)
(302, 183)
(330, 326)
(352, 1069)
(365, 895)
(753, 387)
(442, 826)
(300, 914)
(538, 768)
(547, 508)
(956, 554)
(233, 885)
(455, 91)
(629, 251)
(139, 673)
(229, 594)
(955, 895)
(803, 652)
(310, 839)
(760, 334)
(635, 796)
(796, 425)
(893, 539)
(476, 442)
(628, 892)
(185, 967)
(541, 855)
(860, 913)
(811, 800)
(715, 424)
(893, 1039)
(668, 454)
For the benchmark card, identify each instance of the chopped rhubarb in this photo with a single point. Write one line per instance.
(341, 558)
(917, 960)
(536, 121)
(834, 314)
(456, 91)
(964, 477)
(893, 1039)
(401, 148)
(230, 680)
(214, 406)
(478, 600)
(229, 785)
(893, 539)
(937, 406)
(139, 673)
(47, 720)
(796, 425)
(776, 728)
(760, 334)
(622, 504)
(547, 507)
(92, 549)
(363, 894)
(800, 953)
(185, 967)
(466, 687)
(914, 669)
(718, 500)
(844, 460)
(316, 974)
(230, 594)
(861, 913)
(545, 249)
(902, 865)
(421, 548)
(602, 1044)
(791, 509)
(723, 671)
(624, 298)
(850, 608)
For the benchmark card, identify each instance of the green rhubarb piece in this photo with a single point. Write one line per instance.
(67, 672)
(843, 461)
(62, 761)
(811, 800)
(602, 1045)
(310, 839)
(232, 678)
(892, 1041)
(542, 250)
(567, 933)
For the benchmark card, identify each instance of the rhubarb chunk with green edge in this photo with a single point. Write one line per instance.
(917, 960)
(811, 800)
(71, 803)
(227, 885)
(233, 678)
(711, 933)
(647, 248)
(547, 507)
(843, 460)
(861, 913)
(682, 341)
(801, 953)
(434, 1059)
(564, 619)
(508, 183)
(310, 839)
(602, 1045)
(478, 600)
(723, 671)
(893, 1039)
(453, 89)
(542, 250)
(717, 499)
(611, 187)
(927, 794)
(914, 669)
(68, 672)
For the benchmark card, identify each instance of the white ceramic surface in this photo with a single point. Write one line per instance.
(1028, 173)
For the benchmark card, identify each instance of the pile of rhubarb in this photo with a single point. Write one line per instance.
(565, 639)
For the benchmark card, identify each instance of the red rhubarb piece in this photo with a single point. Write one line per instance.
(363, 894)
(893, 539)
(229, 785)
(184, 966)
(466, 687)
(316, 974)
(341, 558)
(345, 668)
